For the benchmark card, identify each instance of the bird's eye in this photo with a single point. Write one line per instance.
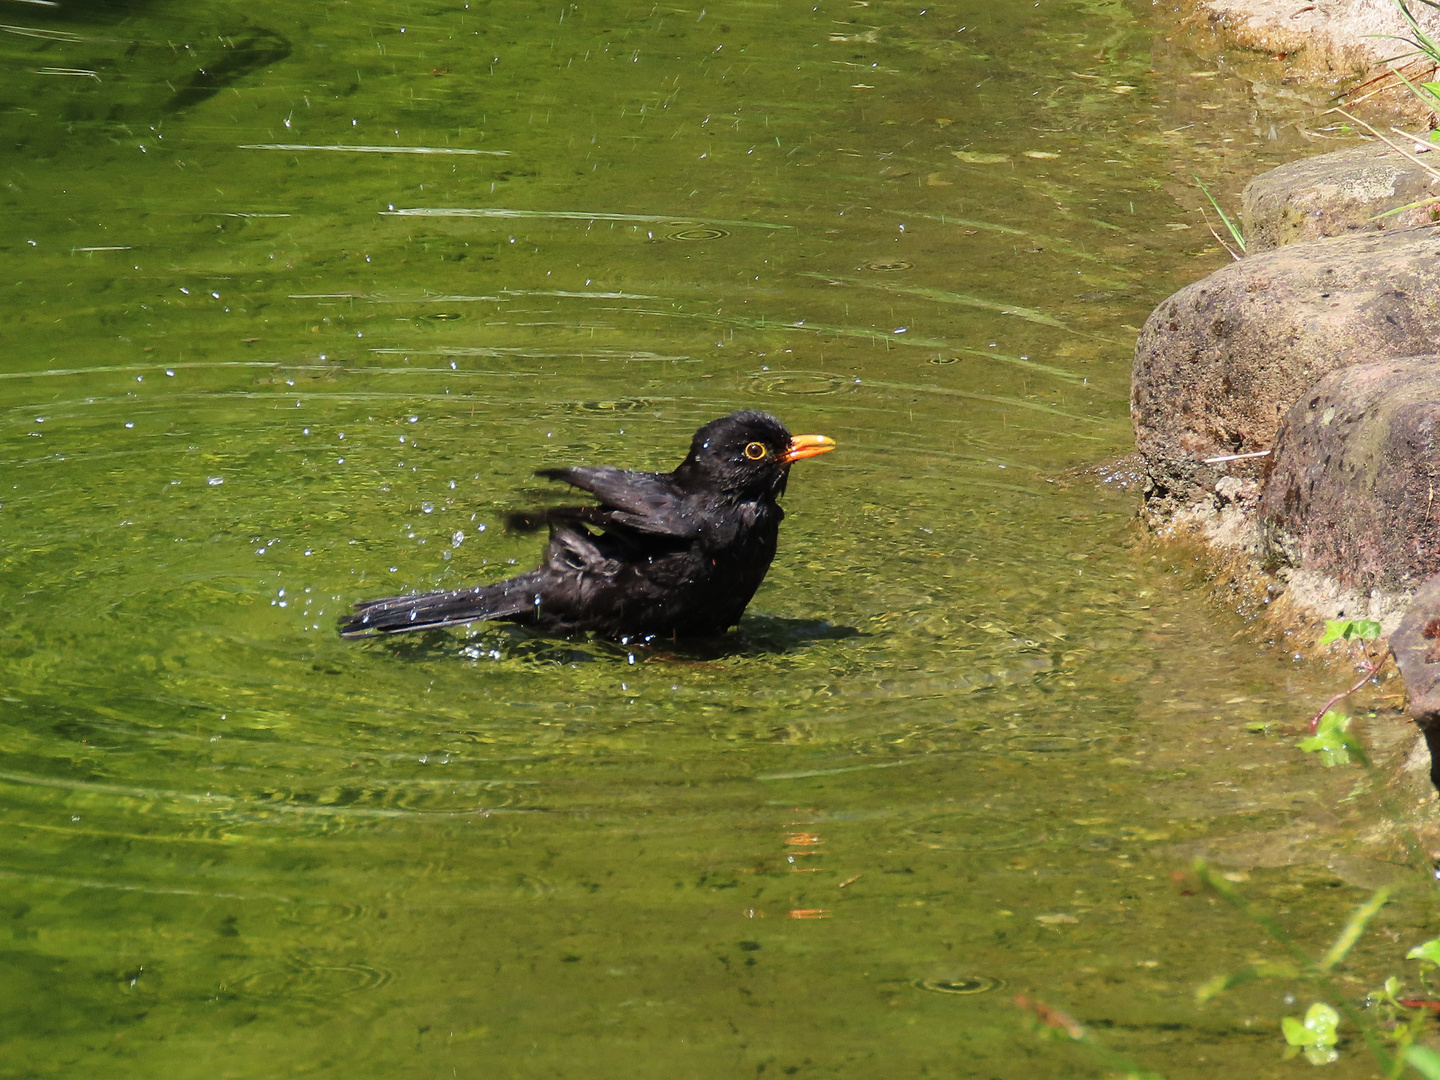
(755, 451)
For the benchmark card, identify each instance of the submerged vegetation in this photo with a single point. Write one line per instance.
(1391, 1019)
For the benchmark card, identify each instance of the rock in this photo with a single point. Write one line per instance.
(1331, 43)
(1416, 644)
(1353, 477)
(1335, 194)
(1219, 362)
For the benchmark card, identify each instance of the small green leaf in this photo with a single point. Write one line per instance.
(1321, 1055)
(1331, 740)
(1424, 1061)
(1427, 950)
(1317, 1036)
(1350, 630)
(1322, 1021)
(1295, 1032)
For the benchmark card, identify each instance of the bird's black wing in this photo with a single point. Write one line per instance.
(642, 502)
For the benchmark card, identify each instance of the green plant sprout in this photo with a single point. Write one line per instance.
(1235, 234)
(1349, 630)
(1332, 741)
(1330, 730)
(1429, 952)
(1317, 1035)
(1405, 1019)
(1389, 1030)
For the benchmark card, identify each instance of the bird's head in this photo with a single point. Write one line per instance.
(747, 453)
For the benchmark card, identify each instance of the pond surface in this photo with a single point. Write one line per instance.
(298, 296)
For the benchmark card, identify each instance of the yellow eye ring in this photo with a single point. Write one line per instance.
(755, 451)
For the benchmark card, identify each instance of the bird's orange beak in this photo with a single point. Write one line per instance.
(803, 446)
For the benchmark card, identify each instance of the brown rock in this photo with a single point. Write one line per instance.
(1351, 491)
(1416, 643)
(1335, 44)
(1336, 194)
(1219, 362)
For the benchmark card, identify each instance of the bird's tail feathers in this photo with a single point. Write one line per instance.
(428, 611)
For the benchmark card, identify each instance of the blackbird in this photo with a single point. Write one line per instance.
(677, 554)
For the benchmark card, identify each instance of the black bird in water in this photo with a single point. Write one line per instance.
(678, 554)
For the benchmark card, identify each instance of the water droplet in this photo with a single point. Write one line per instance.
(215, 481)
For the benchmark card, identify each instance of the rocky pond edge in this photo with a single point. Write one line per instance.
(1287, 413)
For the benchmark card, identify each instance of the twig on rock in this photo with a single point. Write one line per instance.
(1233, 457)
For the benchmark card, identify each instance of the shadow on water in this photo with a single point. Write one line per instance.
(772, 634)
(100, 70)
(62, 11)
(757, 635)
(244, 51)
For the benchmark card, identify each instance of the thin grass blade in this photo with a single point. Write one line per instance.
(1355, 927)
(1235, 233)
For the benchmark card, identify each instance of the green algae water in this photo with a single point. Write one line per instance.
(296, 298)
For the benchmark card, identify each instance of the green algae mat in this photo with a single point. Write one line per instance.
(296, 298)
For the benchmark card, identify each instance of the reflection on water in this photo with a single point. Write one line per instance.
(298, 298)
